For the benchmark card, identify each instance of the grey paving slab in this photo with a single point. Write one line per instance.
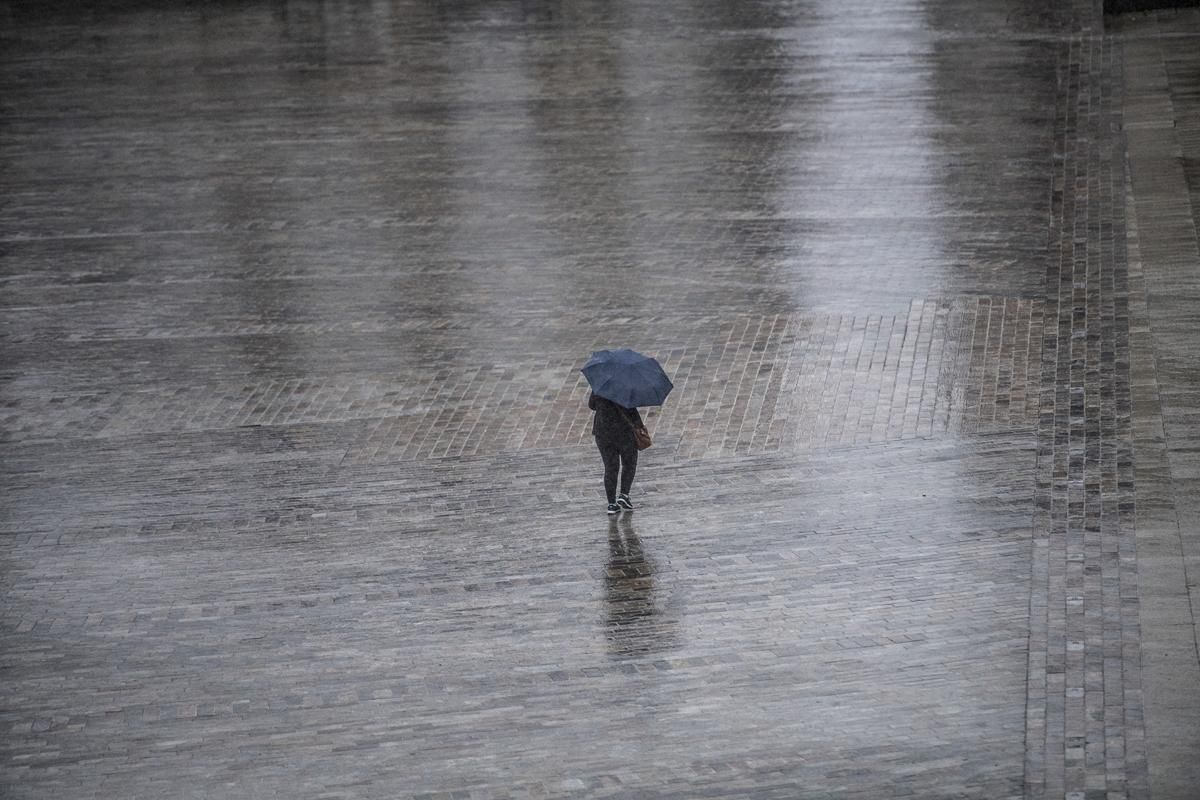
(299, 493)
(1165, 263)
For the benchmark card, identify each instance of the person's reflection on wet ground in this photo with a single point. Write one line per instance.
(636, 622)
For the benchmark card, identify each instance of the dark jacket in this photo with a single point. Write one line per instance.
(613, 424)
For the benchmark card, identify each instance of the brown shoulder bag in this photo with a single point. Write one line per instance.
(641, 436)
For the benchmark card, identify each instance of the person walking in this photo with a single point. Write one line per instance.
(613, 427)
(621, 380)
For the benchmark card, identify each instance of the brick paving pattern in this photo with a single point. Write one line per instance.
(300, 496)
(1085, 722)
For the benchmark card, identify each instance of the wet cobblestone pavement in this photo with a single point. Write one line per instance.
(300, 493)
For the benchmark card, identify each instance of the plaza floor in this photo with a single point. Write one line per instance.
(299, 494)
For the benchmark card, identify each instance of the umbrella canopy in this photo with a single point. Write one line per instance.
(627, 377)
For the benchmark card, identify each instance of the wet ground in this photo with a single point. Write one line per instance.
(300, 496)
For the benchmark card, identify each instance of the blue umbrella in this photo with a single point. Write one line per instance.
(628, 378)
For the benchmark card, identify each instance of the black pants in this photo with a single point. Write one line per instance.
(617, 458)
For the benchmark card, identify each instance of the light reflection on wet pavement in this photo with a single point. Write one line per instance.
(301, 498)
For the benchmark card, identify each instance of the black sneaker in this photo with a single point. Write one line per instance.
(612, 508)
(624, 502)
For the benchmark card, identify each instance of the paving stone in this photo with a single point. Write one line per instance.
(1163, 251)
(300, 494)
